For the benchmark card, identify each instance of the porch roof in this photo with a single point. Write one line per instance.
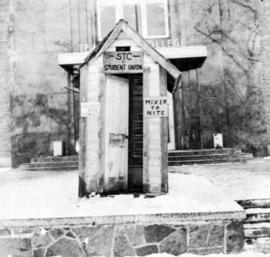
(184, 57)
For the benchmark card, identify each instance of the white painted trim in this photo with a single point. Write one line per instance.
(72, 58)
(171, 143)
(183, 52)
(168, 52)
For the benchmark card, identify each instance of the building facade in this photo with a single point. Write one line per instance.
(228, 94)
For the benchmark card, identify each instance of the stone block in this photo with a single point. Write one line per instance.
(206, 251)
(65, 247)
(15, 247)
(156, 233)
(235, 237)
(136, 235)
(40, 252)
(101, 243)
(122, 246)
(56, 233)
(216, 236)
(206, 235)
(41, 240)
(176, 243)
(147, 250)
(70, 234)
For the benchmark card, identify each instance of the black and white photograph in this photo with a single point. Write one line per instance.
(134, 128)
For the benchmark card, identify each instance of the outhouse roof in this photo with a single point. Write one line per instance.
(122, 26)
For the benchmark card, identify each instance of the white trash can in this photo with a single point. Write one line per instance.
(77, 147)
(218, 140)
(57, 148)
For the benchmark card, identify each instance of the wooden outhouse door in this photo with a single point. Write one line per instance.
(116, 133)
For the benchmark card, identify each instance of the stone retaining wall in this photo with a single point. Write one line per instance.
(122, 239)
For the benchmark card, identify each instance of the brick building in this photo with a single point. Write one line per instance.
(228, 94)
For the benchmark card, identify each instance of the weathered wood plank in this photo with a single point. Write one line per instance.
(116, 131)
(101, 133)
(89, 160)
(254, 203)
(83, 122)
(258, 217)
(146, 74)
(257, 230)
(154, 128)
(164, 135)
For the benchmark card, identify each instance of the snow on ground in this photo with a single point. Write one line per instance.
(54, 194)
(47, 195)
(238, 181)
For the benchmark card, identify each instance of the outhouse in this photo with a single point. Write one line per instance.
(124, 116)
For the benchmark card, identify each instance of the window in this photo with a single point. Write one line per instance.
(148, 17)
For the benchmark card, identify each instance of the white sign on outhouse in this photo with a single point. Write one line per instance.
(124, 116)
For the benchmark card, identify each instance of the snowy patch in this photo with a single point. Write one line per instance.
(54, 195)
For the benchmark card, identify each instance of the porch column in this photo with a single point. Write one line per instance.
(91, 130)
(155, 167)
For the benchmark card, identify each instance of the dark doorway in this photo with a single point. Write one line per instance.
(135, 147)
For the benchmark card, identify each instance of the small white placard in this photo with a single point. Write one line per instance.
(218, 140)
(57, 148)
(89, 109)
(155, 107)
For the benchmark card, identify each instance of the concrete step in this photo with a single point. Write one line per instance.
(55, 159)
(52, 163)
(49, 164)
(207, 156)
(204, 152)
(205, 161)
(60, 168)
(175, 158)
(198, 157)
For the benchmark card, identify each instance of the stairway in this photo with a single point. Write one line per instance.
(61, 163)
(257, 224)
(206, 156)
(175, 158)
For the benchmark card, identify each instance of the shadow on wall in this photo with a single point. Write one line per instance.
(239, 119)
(37, 121)
(233, 106)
